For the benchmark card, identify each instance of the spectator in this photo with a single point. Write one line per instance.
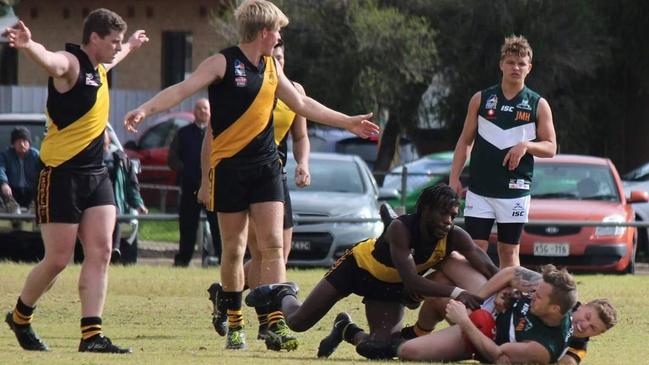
(19, 167)
(126, 188)
(185, 159)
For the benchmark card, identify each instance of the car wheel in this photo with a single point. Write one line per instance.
(642, 250)
(129, 251)
(630, 269)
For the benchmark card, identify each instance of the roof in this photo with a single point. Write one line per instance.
(579, 159)
(22, 117)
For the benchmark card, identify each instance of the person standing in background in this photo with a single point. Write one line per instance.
(506, 126)
(185, 159)
(19, 167)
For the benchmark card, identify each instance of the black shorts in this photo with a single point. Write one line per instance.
(63, 195)
(480, 229)
(348, 278)
(288, 210)
(235, 189)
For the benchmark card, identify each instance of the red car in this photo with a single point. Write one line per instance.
(152, 149)
(579, 188)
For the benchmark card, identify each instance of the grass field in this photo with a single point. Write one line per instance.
(164, 314)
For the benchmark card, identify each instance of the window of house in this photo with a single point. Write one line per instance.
(176, 57)
(8, 65)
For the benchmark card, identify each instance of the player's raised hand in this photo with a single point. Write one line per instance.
(133, 118)
(362, 127)
(137, 39)
(19, 36)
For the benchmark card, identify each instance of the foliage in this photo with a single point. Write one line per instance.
(164, 314)
(380, 55)
(357, 56)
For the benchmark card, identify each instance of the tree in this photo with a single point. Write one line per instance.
(569, 43)
(356, 56)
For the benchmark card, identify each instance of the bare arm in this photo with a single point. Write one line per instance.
(59, 65)
(398, 236)
(508, 353)
(301, 146)
(209, 70)
(203, 192)
(137, 39)
(312, 110)
(567, 360)
(464, 143)
(475, 256)
(546, 139)
(517, 277)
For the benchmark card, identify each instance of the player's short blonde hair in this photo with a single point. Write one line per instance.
(605, 310)
(255, 15)
(516, 45)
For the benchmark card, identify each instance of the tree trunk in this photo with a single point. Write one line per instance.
(387, 148)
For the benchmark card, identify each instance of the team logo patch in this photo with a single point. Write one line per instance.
(523, 116)
(239, 69)
(518, 210)
(519, 184)
(492, 102)
(241, 81)
(90, 79)
(525, 104)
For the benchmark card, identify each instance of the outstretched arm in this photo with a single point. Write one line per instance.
(517, 277)
(312, 110)
(398, 236)
(134, 42)
(477, 257)
(59, 65)
(208, 71)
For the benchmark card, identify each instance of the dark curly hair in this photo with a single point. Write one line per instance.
(439, 196)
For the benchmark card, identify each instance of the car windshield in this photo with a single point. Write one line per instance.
(420, 173)
(574, 182)
(329, 176)
(37, 131)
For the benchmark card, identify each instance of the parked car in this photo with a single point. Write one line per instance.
(342, 187)
(152, 150)
(20, 240)
(638, 179)
(345, 142)
(579, 188)
(426, 171)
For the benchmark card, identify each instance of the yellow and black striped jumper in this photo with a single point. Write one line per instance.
(245, 166)
(73, 177)
(367, 269)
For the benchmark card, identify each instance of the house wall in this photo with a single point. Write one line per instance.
(53, 23)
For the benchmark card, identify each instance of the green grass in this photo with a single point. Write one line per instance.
(163, 231)
(164, 314)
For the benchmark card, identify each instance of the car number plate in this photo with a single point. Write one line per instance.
(551, 249)
(301, 245)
